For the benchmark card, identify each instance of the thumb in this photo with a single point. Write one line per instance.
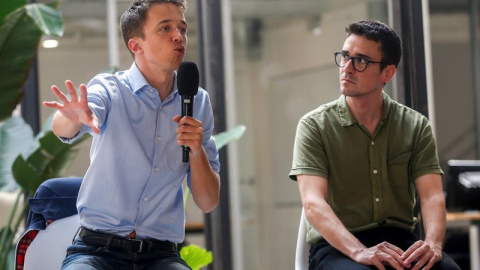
(176, 118)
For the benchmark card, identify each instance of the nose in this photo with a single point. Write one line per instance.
(349, 66)
(177, 36)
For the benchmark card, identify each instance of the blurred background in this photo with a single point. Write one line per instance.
(275, 59)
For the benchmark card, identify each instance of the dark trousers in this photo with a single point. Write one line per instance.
(325, 257)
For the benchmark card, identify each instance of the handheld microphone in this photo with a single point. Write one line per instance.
(187, 83)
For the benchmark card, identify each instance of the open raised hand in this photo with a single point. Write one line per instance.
(76, 109)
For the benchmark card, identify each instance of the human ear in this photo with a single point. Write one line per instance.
(135, 46)
(388, 72)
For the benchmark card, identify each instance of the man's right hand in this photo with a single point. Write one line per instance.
(380, 255)
(74, 111)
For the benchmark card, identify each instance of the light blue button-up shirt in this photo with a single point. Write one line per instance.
(135, 177)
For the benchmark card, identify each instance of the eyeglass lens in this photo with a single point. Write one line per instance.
(359, 64)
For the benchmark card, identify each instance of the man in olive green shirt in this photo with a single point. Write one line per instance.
(358, 161)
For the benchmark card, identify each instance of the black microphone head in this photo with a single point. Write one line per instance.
(188, 79)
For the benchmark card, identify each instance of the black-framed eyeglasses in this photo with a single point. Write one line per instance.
(360, 63)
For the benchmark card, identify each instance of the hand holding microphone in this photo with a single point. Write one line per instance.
(187, 83)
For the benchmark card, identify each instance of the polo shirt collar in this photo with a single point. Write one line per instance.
(346, 116)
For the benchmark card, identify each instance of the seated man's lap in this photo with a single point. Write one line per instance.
(324, 256)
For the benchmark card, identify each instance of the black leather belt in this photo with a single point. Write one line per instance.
(115, 242)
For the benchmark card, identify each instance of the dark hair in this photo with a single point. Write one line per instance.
(390, 43)
(134, 18)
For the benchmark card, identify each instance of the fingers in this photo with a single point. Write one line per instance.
(177, 118)
(71, 90)
(423, 254)
(394, 259)
(189, 133)
(187, 120)
(59, 94)
(94, 125)
(83, 95)
(52, 104)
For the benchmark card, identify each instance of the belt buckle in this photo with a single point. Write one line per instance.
(141, 246)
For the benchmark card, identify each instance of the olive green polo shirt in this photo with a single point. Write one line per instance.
(370, 178)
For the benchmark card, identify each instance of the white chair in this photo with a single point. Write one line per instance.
(48, 249)
(303, 248)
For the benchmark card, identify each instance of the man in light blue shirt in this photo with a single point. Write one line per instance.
(130, 202)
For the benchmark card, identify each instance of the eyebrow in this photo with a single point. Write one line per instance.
(169, 21)
(358, 55)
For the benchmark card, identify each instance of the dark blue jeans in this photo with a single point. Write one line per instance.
(84, 257)
(325, 257)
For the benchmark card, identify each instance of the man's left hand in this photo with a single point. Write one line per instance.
(423, 254)
(189, 133)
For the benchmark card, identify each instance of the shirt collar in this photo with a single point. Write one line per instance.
(346, 116)
(137, 80)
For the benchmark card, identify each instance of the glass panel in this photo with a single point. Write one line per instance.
(453, 79)
(284, 67)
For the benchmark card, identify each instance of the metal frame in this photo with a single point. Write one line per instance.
(212, 78)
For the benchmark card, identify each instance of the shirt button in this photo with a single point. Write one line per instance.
(373, 143)
(375, 171)
(145, 199)
(159, 138)
(377, 199)
(155, 169)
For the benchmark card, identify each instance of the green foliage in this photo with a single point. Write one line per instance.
(196, 257)
(20, 32)
(16, 137)
(21, 27)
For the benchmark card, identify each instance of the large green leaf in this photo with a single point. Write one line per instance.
(196, 257)
(20, 34)
(49, 160)
(15, 137)
(9, 6)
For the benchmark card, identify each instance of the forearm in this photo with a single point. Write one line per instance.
(434, 219)
(204, 182)
(322, 217)
(63, 127)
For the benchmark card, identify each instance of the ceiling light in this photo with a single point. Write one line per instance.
(50, 43)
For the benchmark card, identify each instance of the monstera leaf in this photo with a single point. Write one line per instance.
(21, 28)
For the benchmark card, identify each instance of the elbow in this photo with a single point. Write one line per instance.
(209, 207)
(312, 209)
(209, 203)
(309, 210)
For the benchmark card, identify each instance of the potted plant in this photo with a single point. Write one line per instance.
(21, 28)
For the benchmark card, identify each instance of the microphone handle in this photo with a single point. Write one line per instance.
(187, 110)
